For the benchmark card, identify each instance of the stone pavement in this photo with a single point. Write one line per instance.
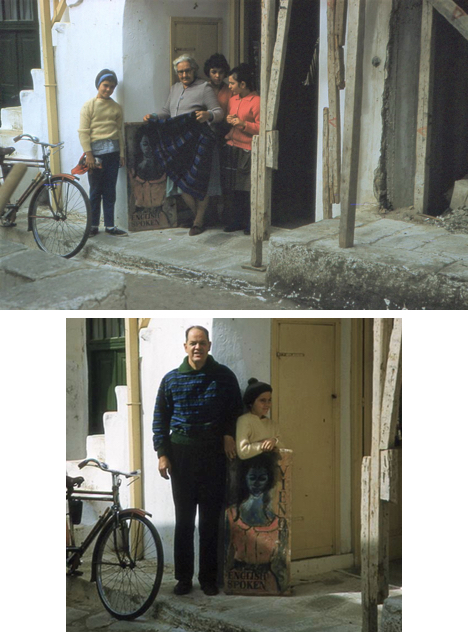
(330, 602)
(395, 264)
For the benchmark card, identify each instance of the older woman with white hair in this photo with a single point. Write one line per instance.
(191, 94)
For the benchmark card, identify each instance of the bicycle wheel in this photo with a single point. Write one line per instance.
(60, 215)
(129, 566)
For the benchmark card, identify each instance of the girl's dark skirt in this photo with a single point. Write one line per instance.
(235, 168)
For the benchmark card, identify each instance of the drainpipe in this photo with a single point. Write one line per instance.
(134, 406)
(49, 81)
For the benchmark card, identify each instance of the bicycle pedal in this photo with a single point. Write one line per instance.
(6, 223)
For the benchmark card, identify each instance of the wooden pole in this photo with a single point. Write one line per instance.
(50, 82)
(327, 205)
(334, 107)
(134, 406)
(277, 65)
(352, 127)
(423, 130)
(261, 208)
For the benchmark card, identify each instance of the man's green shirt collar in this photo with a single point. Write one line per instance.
(209, 366)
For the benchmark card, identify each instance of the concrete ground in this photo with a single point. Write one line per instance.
(395, 264)
(324, 603)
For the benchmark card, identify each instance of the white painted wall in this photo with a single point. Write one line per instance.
(377, 18)
(77, 388)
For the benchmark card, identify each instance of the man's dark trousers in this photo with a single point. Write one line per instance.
(198, 478)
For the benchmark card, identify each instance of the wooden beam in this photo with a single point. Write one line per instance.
(262, 208)
(277, 66)
(369, 599)
(389, 476)
(352, 118)
(454, 14)
(334, 108)
(423, 125)
(272, 148)
(391, 391)
(340, 21)
(256, 223)
(50, 82)
(378, 527)
(327, 205)
(59, 10)
(134, 406)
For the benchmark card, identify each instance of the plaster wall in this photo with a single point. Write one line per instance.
(77, 389)
(377, 21)
(90, 41)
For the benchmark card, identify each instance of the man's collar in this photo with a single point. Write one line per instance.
(207, 367)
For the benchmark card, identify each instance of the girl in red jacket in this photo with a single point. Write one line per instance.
(244, 117)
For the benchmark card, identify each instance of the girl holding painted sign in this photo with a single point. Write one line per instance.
(255, 432)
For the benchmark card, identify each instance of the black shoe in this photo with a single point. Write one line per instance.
(94, 231)
(210, 589)
(115, 231)
(182, 588)
(246, 231)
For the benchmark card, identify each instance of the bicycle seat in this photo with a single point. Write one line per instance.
(71, 482)
(6, 151)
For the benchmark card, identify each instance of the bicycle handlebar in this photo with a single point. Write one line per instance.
(103, 466)
(35, 140)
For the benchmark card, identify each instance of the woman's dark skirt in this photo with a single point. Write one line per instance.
(235, 169)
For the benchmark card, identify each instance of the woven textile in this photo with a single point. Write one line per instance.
(184, 148)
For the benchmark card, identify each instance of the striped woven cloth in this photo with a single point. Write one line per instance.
(184, 148)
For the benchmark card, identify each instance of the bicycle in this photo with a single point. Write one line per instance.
(127, 562)
(59, 213)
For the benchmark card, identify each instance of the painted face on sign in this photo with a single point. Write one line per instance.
(257, 480)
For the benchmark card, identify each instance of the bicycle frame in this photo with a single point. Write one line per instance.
(115, 512)
(46, 174)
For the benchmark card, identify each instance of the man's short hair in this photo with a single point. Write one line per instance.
(205, 331)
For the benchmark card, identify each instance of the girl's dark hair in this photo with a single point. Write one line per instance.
(244, 72)
(216, 61)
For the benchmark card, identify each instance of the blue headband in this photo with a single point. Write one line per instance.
(106, 77)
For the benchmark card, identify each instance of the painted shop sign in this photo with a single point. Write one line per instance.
(258, 526)
(148, 207)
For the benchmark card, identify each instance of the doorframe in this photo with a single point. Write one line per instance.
(174, 21)
(336, 322)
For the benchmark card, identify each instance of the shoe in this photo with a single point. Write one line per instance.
(246, 231)
(182, 588)
(94, 231)
(232, 228)
(115, 231)
(210, 589)
(196, 230)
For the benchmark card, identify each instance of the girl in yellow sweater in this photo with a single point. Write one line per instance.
(255, 432)
(101, 137)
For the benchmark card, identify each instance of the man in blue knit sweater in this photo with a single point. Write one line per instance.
(193, 431)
